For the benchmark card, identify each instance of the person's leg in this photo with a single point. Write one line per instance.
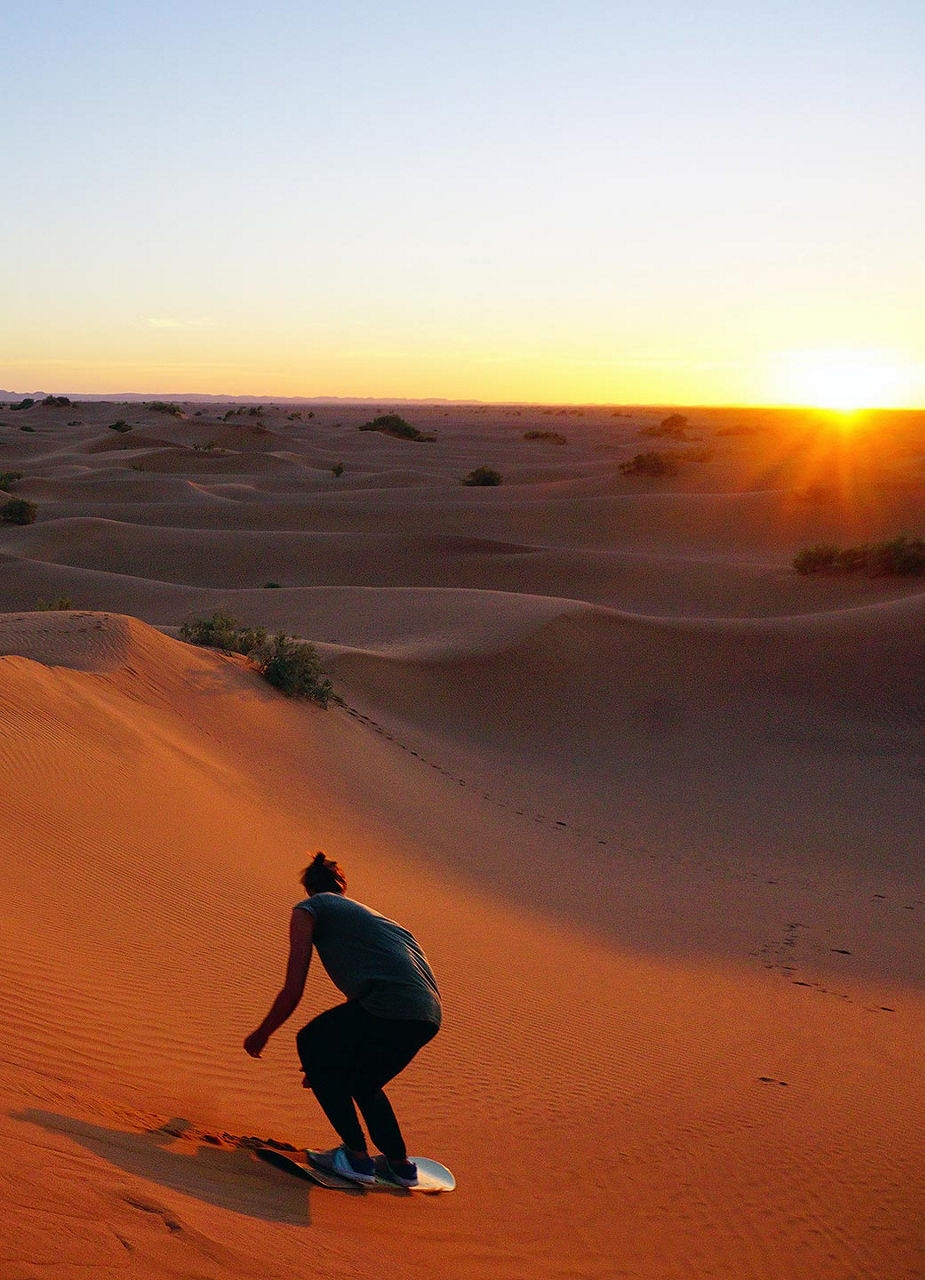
(382, 1124)
(388, 1046)
(327, 1047)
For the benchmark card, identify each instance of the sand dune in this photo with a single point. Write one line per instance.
(651, 802)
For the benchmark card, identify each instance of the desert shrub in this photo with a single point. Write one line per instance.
(255, 410)
(272, 584)
(674, 427)
(18, 511)
(337, 470)
(119, 425)
(652, 463)
(23, 404)
(391, 424)
(821, 558)
(293, 666)
(57, 402)
(294, 417)
(26, 427)
(60, 604)
(902, 556)
(552, 437)
(852, 559)
(9, 478)
(222, 631)
(75, 422)
(483, 476)
(164, 406)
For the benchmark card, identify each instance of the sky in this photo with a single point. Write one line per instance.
(592, 201)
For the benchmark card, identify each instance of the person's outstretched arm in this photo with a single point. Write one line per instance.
(301, 929)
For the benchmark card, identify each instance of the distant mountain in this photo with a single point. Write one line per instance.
(196, 398)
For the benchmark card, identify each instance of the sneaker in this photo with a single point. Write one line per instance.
(340, 1161)
(404, 1172)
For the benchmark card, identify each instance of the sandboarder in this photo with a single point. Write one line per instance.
(349, 1052)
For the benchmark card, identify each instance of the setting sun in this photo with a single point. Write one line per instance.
(844, 380)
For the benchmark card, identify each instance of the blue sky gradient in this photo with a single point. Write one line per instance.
(579, 201)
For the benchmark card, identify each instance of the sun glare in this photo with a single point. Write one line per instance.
(844, 381)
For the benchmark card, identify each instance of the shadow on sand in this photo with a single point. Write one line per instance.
(231, 1178)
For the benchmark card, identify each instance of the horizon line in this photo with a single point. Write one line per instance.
(218, 398)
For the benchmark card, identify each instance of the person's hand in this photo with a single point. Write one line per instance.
(255, 1043)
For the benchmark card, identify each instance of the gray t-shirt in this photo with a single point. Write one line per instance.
(372, 959)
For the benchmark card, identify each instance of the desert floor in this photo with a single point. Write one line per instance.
(651, 801)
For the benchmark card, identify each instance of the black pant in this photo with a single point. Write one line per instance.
(348, 1054)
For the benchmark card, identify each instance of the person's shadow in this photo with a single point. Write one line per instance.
(229, 1177)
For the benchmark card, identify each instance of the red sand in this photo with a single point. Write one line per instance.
(650, 800)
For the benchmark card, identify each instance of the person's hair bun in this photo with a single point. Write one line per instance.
(323, 875)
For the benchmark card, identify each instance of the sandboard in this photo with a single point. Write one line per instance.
(432, 1177)
(280, 1161)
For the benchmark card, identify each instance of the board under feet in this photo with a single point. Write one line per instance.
(433, 1177)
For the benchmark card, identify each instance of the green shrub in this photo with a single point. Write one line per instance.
(57, 402)
(902, 556)
(652, 463)
(119, 425)
(221, 631)
(552, 437)
(289, 664)
(390, 424)
(26, 427)
(337, 470)
(23, 404)
(483, 476)
(9, 478)
(293, 666)
(272, 584)
(164, 406)
(62, 603)
(18, 511)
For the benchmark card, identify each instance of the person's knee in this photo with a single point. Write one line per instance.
(307, 1045)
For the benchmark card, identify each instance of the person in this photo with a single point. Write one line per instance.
(351, 1051)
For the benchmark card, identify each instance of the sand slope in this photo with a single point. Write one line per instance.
(663, 854)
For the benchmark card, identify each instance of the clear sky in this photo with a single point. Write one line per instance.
(650, 200)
